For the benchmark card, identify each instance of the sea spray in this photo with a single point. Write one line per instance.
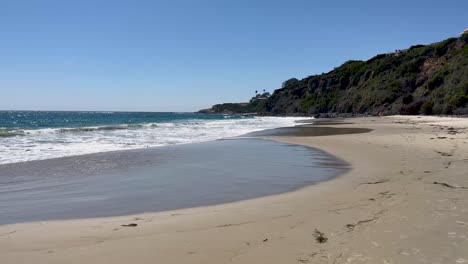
(26, 136)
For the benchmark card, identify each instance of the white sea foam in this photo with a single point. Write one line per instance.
(53, 143)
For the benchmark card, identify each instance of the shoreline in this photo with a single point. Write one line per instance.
(131, 182)
(390, 208)
(100, 132)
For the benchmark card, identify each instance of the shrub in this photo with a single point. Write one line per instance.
(426, 107)
(459, 99)
(411, 109)
(415, 47)
(442, 47)
(408, 99)
(447, 109)
(289, 82)
(306, 103)
(377, 57)
(435, 82)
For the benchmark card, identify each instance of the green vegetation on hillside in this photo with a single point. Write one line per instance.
(424, 79)
(256, 104)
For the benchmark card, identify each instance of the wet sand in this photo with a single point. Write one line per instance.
(158, 179)
(309, 131)
(404, 201)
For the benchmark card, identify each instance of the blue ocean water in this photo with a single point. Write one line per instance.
(14, 120)
(33, 135)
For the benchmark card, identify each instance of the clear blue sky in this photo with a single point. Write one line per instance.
(184, 55)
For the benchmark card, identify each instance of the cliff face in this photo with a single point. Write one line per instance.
(424, 79)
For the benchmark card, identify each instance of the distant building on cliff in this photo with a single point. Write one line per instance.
(464, 32)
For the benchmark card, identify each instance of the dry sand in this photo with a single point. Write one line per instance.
(387, 209)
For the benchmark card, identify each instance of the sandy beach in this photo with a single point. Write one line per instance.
(405, 200)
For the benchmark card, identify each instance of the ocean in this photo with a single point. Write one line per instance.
(36, 135)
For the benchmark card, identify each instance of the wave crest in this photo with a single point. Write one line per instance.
(93, 129)
(4, 133)
(33, 144)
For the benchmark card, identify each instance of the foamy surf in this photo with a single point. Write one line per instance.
(18, 145)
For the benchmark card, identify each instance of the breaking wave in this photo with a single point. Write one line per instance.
(34, 144)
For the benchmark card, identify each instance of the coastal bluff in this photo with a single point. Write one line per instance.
(423, 79)
(230, 108)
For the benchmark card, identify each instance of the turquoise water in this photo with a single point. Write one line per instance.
(34, 135)
(15, 120)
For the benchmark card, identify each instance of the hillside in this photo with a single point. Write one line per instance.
(230, 108)
(423, 79)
